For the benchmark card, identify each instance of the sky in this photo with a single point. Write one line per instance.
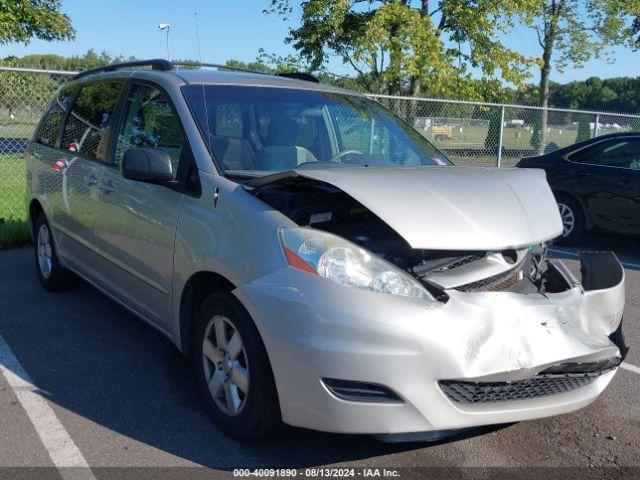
(231, 29)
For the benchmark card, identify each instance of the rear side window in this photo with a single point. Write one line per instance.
(621, 153)
(51, 123)
(150, 122)
(90, 116)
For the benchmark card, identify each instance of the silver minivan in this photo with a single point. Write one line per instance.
(323, 264)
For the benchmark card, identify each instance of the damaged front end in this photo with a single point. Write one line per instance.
(506, 323)
(414, 218)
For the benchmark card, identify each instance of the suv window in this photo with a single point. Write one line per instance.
(285, 128)
(293, 124)
(51, 123)
(91, 113)
(620, 152)
(150, 122)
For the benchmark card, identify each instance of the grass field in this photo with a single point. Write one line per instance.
(14, 231)
(473, 136)
(18, 128)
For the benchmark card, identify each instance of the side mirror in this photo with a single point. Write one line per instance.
(147, 165)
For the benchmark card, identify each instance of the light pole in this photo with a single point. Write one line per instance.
(166, 27)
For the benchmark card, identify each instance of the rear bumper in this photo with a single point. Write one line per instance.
(315, 329)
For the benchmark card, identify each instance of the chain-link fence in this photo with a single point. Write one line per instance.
(480, 134)
(24, 94)
(488, 134)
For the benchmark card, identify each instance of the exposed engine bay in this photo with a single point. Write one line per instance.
(322, 206)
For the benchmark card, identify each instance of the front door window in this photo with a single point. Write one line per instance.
(150, 122)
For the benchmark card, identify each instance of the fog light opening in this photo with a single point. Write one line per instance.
(361, 391)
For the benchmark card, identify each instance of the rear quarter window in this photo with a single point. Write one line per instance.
(623, 152)
(51, 122)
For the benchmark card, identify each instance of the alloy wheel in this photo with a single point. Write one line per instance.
(226, 366)
(568, 219)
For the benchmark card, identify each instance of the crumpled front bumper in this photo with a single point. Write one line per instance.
(314, 328)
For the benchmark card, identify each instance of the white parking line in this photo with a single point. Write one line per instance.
(629, 367)
(63, 452)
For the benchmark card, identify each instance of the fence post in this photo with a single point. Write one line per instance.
(500, 132)
(595, 125)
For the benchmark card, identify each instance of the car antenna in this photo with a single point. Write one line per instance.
(195, 14)
(204, 95)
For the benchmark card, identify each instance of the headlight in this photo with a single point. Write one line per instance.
(335, 258)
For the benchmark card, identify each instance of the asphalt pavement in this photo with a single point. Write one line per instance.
(89, 379)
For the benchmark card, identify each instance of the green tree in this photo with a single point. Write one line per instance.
(22, 20)
(584, 129)
(91, 59)
(407, 46)
(571, 32)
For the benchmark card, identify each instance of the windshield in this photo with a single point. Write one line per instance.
(265, 130)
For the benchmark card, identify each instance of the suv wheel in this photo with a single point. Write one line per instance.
(572, 220)
(53, 276)
(233, 371)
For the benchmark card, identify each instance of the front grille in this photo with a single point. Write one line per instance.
(540, 386)
(495, 283)
(457, 263)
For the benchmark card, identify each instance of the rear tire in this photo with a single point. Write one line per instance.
(572, 220)
(53, 276)
(233, 372)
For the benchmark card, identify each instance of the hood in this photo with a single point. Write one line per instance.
(454, 208)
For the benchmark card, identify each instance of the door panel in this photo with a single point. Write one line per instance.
(77, 169)
(610, 198)
(136, 231)
(74, 198)
(607, 177)
(137, 221)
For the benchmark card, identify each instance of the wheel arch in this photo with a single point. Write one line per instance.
(35, 209)
(197, 288)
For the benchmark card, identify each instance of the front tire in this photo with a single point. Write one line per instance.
(572, 220)
(53, 276)
(233, 371)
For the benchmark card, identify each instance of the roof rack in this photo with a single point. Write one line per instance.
(219, 66)
(166, 66)
(155, 64)
(307, 77)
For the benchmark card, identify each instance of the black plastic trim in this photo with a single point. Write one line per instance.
(617, 338)
(463, 391)
(600, 270)
(304, 76)
(361, 391)
(588, 367)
